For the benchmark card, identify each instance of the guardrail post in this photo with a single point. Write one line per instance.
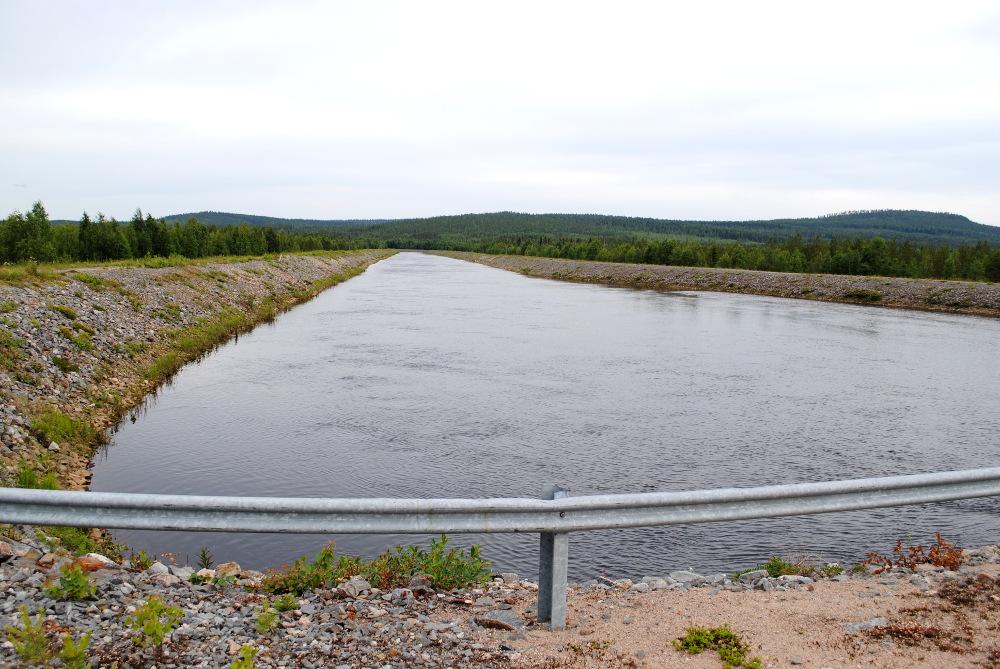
(553, 563)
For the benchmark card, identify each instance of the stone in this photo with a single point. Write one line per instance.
(623, 583)
(641, 587)
(787, 579)
(158, 568)
(356, 586)
(96, 561)
(6, 551)
(420, 586)
(54, 447)
(207, 574)
(687, 577)
(47, 561)
(658, 584)
(164, 579)
(228, 569)
(183, 573)
(510, 578)
(753, 576)
(863, 625)
(500, 620)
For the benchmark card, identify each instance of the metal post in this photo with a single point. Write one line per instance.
(553, 562)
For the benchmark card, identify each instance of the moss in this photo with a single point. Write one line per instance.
(68, 312)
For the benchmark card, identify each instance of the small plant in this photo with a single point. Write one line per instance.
(64, 364)
(205, 558)
(267, 618)
(286, 602)
(29, 641)
(831, 569)
(74, 585)
(777, 566)
(731, 648)
(154, 621)
(54, 425)
(223, 581)
(940, 554)
(68, 312)
(74, 654)
(82, 341)
(26, 477)
(141, 561)
(245, 658)
(7, 306)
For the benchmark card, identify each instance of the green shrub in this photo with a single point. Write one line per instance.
(205, 558)
(732, 650)
(141, 560)
(74, 585)
(154, 621)
(286, 602)
(74, 654)
(777, 566)
(29, 641)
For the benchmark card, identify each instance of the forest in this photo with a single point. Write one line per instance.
(969, 252)
(31, 236)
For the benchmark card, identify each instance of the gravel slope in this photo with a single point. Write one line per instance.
(962, 297)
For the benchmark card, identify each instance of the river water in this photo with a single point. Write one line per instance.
(433, 377)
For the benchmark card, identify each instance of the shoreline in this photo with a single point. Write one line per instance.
(932, 295)
(85, 346)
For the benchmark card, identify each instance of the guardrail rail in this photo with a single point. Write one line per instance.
(553, 516)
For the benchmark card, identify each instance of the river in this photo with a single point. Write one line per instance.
(433, 377)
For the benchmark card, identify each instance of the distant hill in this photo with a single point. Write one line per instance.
(223, 219)
(916, 226)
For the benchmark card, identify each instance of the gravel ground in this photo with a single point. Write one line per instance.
(928, 617)
(963, 297)
(105, 325)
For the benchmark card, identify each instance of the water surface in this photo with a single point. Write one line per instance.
(433, 377)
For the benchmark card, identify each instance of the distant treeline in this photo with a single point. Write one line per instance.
(875, 256)
(31, 236)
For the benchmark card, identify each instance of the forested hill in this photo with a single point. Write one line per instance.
(223, 219)
(915, 226)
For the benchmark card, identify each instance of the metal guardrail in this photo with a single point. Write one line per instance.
(553, 516)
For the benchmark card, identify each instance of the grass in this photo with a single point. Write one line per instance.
(65, 365)
(777, 566)
(444, 567)
(28, 274)
(863, 295)
(68, 312)
(82, 340)
(7, 306)
(51, 424)
(10, 350)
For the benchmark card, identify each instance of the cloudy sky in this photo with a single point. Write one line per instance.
(386, 109)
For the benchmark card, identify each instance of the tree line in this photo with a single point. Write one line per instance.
(31, 236)
(874, 256)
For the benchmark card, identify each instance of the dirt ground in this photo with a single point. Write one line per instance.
(955, 623)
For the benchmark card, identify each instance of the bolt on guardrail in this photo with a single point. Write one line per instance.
(553, 517)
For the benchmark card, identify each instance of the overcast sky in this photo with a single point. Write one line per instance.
(387, 109)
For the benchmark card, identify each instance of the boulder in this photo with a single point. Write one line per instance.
(228, 569)
(357, 586)
(500, 620)
(96, 561)
(687, 577)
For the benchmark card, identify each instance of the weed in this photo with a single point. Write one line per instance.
(267, 618)
(10, 349)
(29, 641)
(81, 341)
(79, 541)
(940, 554)
(286, 602)
(74, 654)
(68, 312)
(154, 621)
(731, 648)
(141, 561)
(64, 364)
(74, 585)
(245, 658)
(831, 569)
(445, 568)
(25, 476)
(84, 327)
(7, 306)
(205, 558)
(777, 566)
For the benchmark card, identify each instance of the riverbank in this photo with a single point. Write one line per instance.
(960, 297)
(922, 616)
(81, 346)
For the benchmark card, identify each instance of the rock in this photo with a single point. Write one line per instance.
(688, 577)
(641, 587)
(863, 625)
(795, 660)
(164, 579)
(183, 573)
(510, 578)
(158, 568)
(96, 561)
(421, 586)
(658, 584)
(47, 561)
(500, 620)
(6, 551)
(54, 447)
(485, 602)
(207, 574)
(623, 583)
(787, 579)
(227, 569)
(357, 585)
(753, 576)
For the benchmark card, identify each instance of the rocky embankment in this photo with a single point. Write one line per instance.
(963, 297)
(922, 616)
(80, 347)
